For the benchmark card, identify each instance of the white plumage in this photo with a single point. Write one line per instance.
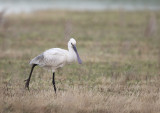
(55, 58)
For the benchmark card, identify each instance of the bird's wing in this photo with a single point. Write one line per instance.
(37, 60)
(55, 57)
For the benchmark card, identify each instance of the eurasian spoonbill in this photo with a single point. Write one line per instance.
(55, 58)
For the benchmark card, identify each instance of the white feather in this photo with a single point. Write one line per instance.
(56, 57)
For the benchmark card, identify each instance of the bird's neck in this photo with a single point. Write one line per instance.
(71, 55)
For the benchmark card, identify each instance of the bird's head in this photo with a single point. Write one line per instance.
(72, 44)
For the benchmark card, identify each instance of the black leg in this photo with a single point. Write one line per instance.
(28, 80)
(53, 82)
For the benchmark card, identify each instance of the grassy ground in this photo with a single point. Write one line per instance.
(120, 71)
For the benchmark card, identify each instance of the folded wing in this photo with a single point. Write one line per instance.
(53, 58)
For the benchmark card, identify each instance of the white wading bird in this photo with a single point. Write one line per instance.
(55, 58)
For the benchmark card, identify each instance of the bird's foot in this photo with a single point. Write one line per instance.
(27, 84)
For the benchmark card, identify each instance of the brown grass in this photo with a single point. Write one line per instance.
(108, 98)
(120, 71)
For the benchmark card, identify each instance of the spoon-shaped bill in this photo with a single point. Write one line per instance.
(78, 58)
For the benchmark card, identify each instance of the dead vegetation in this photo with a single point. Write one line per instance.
(120, 71)
(110, 98)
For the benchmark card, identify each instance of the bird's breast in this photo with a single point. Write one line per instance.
(71, 58)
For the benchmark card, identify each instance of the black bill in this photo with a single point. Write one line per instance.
(78, 58)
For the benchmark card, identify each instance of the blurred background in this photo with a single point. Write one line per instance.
(16, 6)
(117, 40)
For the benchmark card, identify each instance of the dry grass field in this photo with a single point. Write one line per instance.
(120, 71)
